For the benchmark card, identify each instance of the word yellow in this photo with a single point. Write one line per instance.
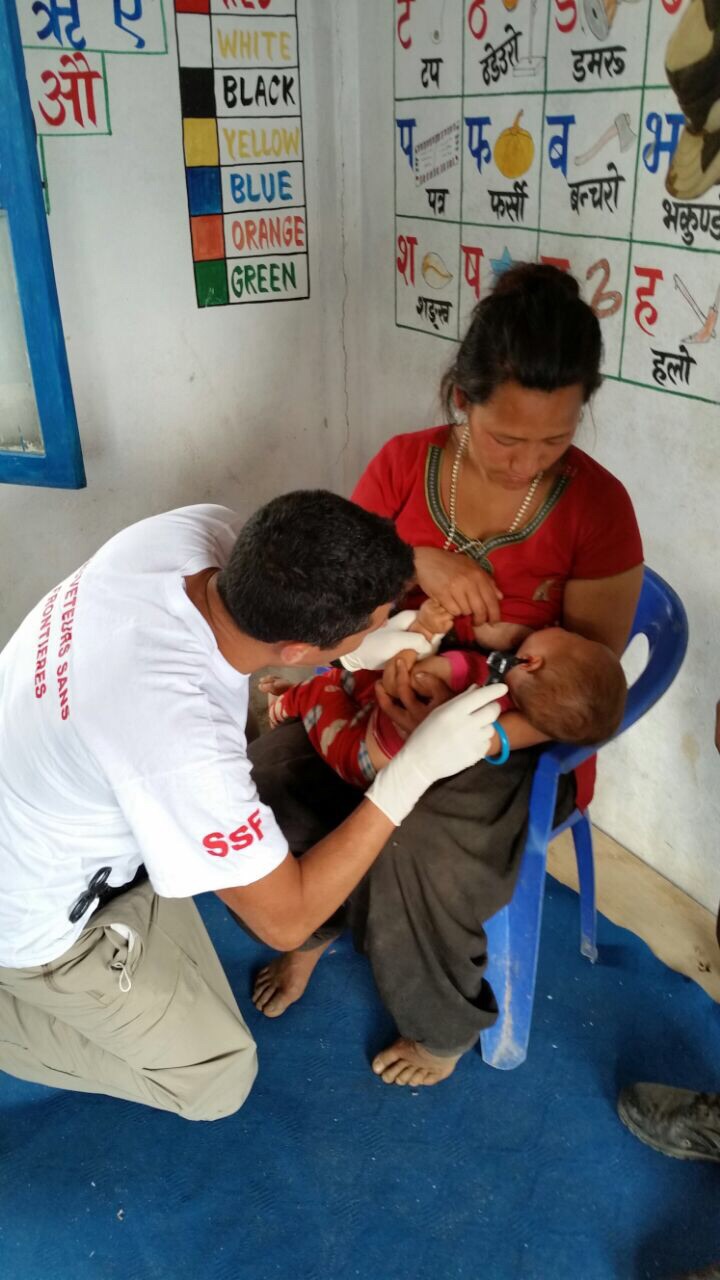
(261, 144)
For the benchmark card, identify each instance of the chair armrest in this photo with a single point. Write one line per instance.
(662, 619)
(563, 757)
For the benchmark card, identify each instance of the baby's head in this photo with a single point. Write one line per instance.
(570, 688)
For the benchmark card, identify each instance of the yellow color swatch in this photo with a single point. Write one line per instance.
(200, 139)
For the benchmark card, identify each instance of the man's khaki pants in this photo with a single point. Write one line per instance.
(142, 1012)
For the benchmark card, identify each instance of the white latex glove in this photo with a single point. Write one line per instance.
(381, 645)
(454, 736)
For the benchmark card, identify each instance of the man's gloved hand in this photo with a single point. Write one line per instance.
(454, 736)
(381, 645)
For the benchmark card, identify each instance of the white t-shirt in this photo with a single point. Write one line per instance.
(122, 739)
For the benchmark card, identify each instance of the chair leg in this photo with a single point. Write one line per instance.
(582, 839)
(513, 942)
(514, 934)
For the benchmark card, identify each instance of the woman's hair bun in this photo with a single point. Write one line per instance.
(528, 278)
(533, 328)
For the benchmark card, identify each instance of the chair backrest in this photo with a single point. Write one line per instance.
(661, 618)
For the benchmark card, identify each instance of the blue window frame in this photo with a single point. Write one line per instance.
(42, 396)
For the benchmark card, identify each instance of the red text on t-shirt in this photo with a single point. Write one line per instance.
(219, 845)
(42, 645)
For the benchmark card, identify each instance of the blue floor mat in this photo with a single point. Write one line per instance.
(326, 1172)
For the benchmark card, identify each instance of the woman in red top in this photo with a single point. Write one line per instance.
(511, 524)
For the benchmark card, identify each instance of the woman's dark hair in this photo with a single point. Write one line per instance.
(534, 329)
(313, 567)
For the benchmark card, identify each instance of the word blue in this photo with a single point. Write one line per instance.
(272, 187)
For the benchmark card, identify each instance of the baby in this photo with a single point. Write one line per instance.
(568, 688)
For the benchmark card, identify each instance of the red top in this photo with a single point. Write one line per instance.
(585, 528)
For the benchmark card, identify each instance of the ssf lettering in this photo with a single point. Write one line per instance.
(219, 845)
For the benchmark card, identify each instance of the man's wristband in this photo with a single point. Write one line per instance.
(504, 752)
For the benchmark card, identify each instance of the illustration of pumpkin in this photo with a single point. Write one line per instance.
(510, 5)
(514, 150)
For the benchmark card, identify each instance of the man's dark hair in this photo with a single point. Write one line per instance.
(311, 567)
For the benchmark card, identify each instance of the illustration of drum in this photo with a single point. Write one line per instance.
(600, 15)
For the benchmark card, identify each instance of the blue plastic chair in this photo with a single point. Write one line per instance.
(514, 933)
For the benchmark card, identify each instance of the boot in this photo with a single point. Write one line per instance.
(676, 1122)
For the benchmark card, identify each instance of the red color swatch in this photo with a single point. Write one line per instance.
(192, 6)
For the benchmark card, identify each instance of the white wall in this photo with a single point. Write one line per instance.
(659, 790)
(175, 404)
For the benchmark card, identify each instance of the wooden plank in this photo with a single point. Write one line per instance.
(677, 929)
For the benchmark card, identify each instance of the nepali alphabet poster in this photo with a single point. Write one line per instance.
(585, 133)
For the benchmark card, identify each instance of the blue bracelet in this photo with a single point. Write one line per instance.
(504, 753)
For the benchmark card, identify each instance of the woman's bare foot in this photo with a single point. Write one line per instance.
(406, 1062)
(284, 980)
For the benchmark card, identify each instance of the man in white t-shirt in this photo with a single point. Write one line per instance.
(125, 787)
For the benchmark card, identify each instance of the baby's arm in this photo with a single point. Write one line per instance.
(449, 668)
(458, 669)
(432, 620)
(389, 680)
(378, 726)
(278, 711)
(382, 732)
(273, 686)
(378, 758)
(501, 635)
(437, 665)
(520, 733)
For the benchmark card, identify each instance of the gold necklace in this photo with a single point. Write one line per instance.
(452, 505)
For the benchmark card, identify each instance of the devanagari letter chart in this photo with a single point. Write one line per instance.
(544, 130)
(243, 146)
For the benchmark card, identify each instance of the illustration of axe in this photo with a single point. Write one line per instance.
(620, 129)
(708, 321)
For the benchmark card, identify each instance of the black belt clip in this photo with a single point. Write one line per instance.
(86, 899)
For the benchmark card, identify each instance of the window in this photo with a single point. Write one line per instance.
(39, 442)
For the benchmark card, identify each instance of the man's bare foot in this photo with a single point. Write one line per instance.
(284, 980)
(406, 1062)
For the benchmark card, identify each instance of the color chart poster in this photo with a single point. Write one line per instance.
(239, 67)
